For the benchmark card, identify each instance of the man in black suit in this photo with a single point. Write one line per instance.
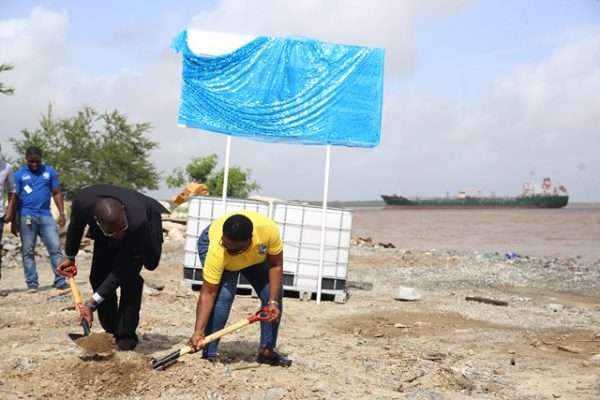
(127, 231)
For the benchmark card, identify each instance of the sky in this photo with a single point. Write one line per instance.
(478, 95)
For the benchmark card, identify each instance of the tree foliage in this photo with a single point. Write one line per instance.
(5, 89)
(91, 148)
(202, 170)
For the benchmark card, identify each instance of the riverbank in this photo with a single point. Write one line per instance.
(543, 343)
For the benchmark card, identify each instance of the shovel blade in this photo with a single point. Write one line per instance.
(75, 336)
(86, 331)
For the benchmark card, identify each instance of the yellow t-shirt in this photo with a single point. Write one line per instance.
(265, 240)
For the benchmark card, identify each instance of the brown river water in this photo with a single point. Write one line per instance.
(567, 232)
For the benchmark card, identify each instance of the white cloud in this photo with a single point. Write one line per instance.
(542, 115)
(387, 24)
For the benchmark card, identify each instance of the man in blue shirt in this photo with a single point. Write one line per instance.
(35, 183)
(7, 182)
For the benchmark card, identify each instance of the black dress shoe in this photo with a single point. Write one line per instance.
(275, 359)
(127, 344)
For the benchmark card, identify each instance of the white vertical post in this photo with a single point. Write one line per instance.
(323, 222)
(226, 174)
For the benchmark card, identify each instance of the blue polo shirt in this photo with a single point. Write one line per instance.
(35, 189)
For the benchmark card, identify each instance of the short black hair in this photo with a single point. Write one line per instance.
(33, 151)
(108, 210)
(238, 228)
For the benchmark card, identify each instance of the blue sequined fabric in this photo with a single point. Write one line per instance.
(293, 90)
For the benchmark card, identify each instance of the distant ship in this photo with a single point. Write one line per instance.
(533, 196)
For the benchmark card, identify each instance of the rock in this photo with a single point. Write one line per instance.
(10, 247)
(404, 293)
(176, 234)
(26, 364)
(555, 307)
(154, 284)
(173, 226)
(569, 349)
(359, 285)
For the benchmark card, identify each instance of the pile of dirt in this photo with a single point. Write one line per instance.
(97, 343)
(121, 374)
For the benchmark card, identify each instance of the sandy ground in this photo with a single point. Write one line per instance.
(544, 345)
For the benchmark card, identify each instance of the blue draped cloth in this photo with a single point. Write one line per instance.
(292, 90)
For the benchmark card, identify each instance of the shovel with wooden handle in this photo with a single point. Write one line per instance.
(163, 363)
(78, 303)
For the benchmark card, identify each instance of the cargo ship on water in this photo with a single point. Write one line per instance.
(533, 196)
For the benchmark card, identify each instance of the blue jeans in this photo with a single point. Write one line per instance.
(46, 229)
(258, 276)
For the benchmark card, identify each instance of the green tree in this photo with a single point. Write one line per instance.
(91, 148)
(4, 89)
(202, 170)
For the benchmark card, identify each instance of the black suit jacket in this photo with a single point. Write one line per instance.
(143, 236)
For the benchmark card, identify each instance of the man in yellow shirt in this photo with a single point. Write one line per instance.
(247, 243)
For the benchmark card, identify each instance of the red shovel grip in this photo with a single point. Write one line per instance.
(69, 272)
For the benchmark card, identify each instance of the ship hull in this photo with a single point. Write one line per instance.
(399, 202)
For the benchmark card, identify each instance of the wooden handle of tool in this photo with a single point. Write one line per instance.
(78, 303)
(167, 360)
(225, 331)
(74, 291)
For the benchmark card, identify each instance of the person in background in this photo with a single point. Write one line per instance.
(7, 185)
(126, 227)
(247, 243)
(35, 184)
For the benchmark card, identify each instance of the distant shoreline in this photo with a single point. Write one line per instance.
(381, 204)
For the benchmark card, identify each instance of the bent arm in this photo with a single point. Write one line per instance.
(11, 191)
(275, 263)
(8, 215)
(75, 231)
(206, 302)
(14, 226)
(58, 200)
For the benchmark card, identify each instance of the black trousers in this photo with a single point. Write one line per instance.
(119, 317)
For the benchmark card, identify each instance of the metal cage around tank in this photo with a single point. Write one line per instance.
(300, 228)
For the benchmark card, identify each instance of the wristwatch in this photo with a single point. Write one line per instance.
(90, 305)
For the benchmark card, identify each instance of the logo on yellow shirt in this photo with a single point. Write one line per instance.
(262, 249)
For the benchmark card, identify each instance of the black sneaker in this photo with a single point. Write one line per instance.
(276, 359)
